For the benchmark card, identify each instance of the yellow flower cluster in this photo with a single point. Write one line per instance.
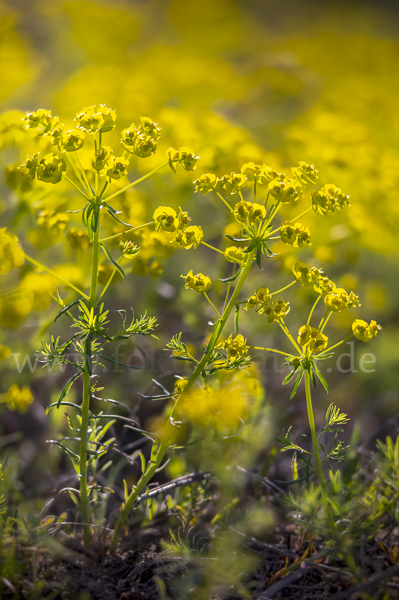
(328, 199)
(259, 300)
(277, 310)
(312, 339)
(236, 255)
(205, 183)
(96, 118)
(18, 399)
(233, 183)
(295, 234)
(235, 347)
(199, 283)
(305, 173)
(11, 254)
(141, 140)
(185, 156)
(339, 299)
(250, 212)
(305, 274)
(364, 331)
(285, 190)
(168, 220)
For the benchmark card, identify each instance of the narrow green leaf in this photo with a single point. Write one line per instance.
(58, 404)
(67, 387)
(143, 462)
(289, 377)
(296, 384)
(320, 376)
(236, 318)
(65, 309)
(233, 277)
(108, 255)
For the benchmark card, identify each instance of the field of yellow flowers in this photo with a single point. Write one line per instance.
(198, 204)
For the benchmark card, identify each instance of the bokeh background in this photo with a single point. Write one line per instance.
(260, 80)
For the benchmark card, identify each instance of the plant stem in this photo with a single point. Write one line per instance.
(168, 433)
(284, 288)
(112, 237)
(309, 406)
(225, 201)
(312, 310)
(136, 182)
(84, 496)
(51, 272)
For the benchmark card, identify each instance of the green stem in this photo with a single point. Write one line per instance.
(289, 336)
(112, 237)
(335, 346)
(325, 322)
(284, 288)
(213, 248)
(319, 468)
(272, 350)
(77, 188)
(108, 282)
(164, 445)
(312, 309)
(136, 182)
(84, 496)
(213, 306)
(51, 272)
(305, 212)
(75, 170)
(225, 201)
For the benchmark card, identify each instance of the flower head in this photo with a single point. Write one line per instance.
(328, 199)
(199, 283)
(190, 237)
(205, 183)
(339, 299)
(51, 169)
(128, 249)
(295, 234)
(306, 274)
(235, 347)
(363, 331)
(18, 399)
(285, 191)
(311, 338)
(165, 219)
(233, 183)
(101, 157)
(118, 167)
(277, 310)
(236, 255)
(72, 140)
(11, 254)
(96, 118)
(259, 300)
(305, 173)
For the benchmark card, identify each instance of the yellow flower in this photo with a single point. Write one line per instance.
(183, 219)
(101, 157)
(278, 310)
(51, 169)
(191, 237)
(242, 211)
(324, 285)
(305, 173)
(72, 140)
(96, 118)
(312, 338)
(295, 234)
(363, 331)
(236, 255)
(118, 167)
(188, 159)
(339, 299)
(234, 182)
(257, 213)
(11, 255)
(199, 283)
(165, 219)
(303, 273)
(37, 118)
(259, 300)
(205, 183)
(285, 191)
(18, 399)
(144, 146)
(255, 172)
(236, 347)
(329, 198)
